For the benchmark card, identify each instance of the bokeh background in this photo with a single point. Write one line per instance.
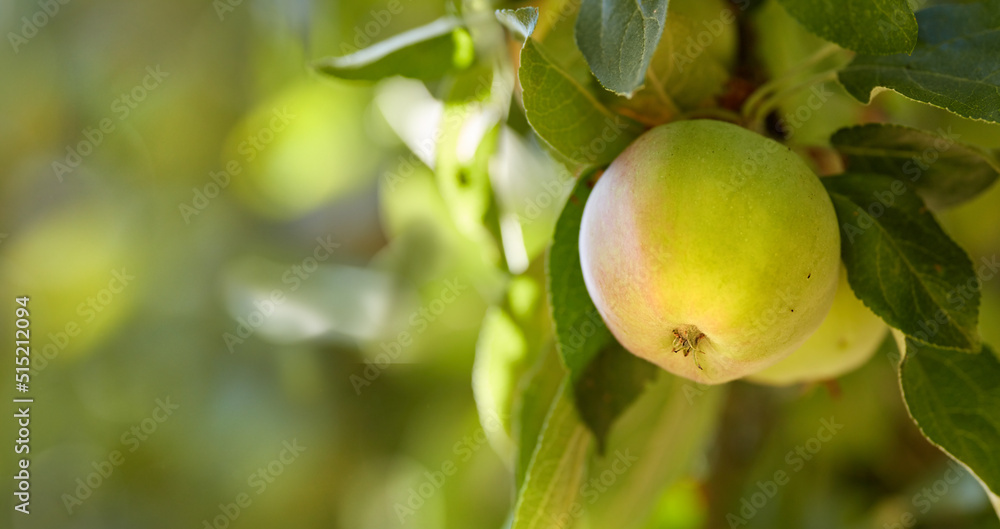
(268, 255)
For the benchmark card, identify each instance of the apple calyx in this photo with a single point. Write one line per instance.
(687, 340)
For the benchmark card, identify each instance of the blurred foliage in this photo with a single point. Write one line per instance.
(308, 264)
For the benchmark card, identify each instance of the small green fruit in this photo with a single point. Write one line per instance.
(710, 250)
(848, 337)
(713, 29)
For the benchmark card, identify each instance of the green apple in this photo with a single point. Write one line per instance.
(710, 250)
(714, 17)
(692, 63)
(848, 337)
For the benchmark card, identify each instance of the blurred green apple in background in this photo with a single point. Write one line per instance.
(848, 337)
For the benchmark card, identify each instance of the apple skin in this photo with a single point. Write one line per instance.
(705, 228)
(846, 339)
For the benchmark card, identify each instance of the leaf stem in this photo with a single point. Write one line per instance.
(765, 108)
(775, 84)
(662, 93)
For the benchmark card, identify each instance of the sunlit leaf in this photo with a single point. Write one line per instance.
(500, 351)
(521, 20)
(566, 115)
(536, 393)
(557, 467)
(427, 53)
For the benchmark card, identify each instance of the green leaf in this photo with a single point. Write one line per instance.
(608, 386)
(902, 265)
(677, 82)
(943, 171)
(872, 27)
(666, 431)
(955, 400)
(566, 115)
(466, 141)
(606, 378)
(953, 66)
(557, 466)
(535, 394)
(619, 38)
(500, 353)
(427, 53)
(888, 349)
(521, 20)
(580, 331)
(555, 32)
